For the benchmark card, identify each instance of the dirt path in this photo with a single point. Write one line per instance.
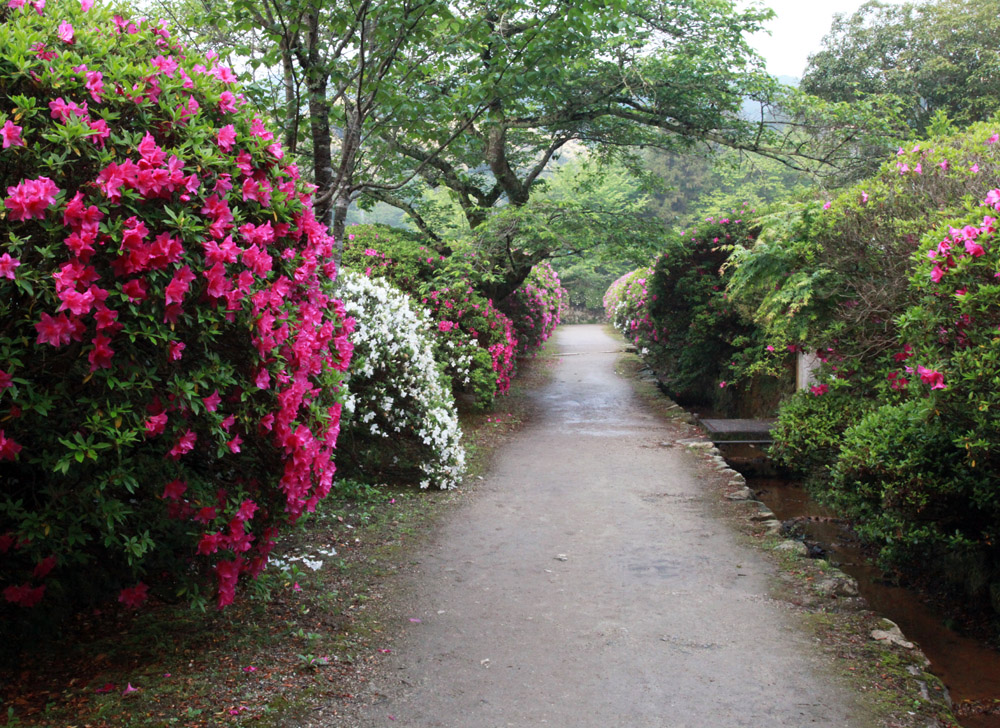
(588, 583)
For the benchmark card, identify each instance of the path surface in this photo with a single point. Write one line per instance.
(657, 617)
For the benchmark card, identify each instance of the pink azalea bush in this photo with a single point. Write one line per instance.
(535, 307)
(169, 363)
(920, 471)
(625, 304)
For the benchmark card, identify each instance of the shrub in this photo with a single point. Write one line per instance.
(535, 308)
(401, 411)
(701, 340)
(909, 489)
(834, 278)
(625, 304)
(170, 366)
(923, 473)
(810, 428)
(474, 340)
(460, 311)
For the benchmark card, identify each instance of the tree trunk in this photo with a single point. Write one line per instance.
(341, 197)
(319, 122)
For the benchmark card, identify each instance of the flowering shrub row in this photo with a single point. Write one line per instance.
(893, 284)
(919, 472)
(705, 348)
(625, 304)
(400, 413)
(476, 342)
(169, 363)
(535, 308)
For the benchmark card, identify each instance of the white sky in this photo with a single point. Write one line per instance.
(797, 31)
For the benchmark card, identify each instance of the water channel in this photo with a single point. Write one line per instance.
(969, 668)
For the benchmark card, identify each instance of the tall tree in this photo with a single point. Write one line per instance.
(615, 76)
(344, 71)
(930, 56)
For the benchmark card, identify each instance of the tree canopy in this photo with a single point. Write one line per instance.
(925, 57)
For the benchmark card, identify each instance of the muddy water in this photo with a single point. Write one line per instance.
(970, 669)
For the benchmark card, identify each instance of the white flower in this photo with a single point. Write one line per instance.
(402, 389)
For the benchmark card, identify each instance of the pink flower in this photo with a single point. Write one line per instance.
(156, 424)
(932, 377)
(43, 567)
(770, 347)
(212, 401)
(8, 448)
(65, 32)
(234, 444)
(133, 597)
(86, 5)
(864, 198)
(5, 380)
(263, 379)
(819, 390)
(54, 330)
(226, 137)
(176, 350)
(10, 133)
(993, 139)
(129, 688)
(209, 543)
(722, 384)
(136, 289)
(174, 490)
(974, 168)
(937, 273)
(8, 265)
(185, 444)
(95, 85)
(227, 102)
(179, 285)
(30, 199)
(246, 510)
(827, 205)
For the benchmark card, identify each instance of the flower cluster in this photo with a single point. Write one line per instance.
(476, 342)
(170, 362)
(536, 307)
(463, 313)
(625, 304)
(401, 413)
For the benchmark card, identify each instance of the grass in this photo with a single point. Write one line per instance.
(303, 640)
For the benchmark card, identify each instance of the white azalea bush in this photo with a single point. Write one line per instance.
(400, 413)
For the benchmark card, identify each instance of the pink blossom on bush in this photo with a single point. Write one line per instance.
(31, 198)
(10, 135)
(134, 597)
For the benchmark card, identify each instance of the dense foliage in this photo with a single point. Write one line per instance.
(924, 57)
(833, 278)
(474, 340)
(170, 365)
(625, 304)
(535, 308)
(400, 415)
(921, 472)
(699, 334)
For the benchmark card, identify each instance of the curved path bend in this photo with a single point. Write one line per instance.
(588, 584)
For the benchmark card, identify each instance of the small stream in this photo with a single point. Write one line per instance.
(969, 668)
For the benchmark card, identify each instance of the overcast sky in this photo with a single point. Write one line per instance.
(797, 31)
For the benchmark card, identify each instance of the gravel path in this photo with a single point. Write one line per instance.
(589, 582)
